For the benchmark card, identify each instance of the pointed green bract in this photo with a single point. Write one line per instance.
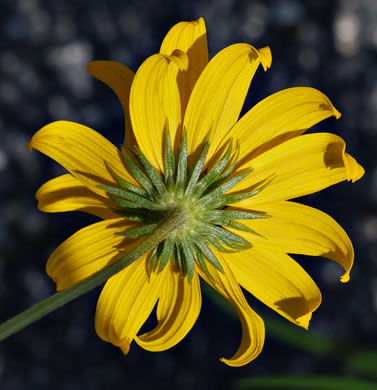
(209, 254)
(123, 203)
(188, 258)
(218, 244)
(198, 167)
(223, 200)
(239, 226)
(153, 175)
(169, 158)
(182, 165)
(221, 178)
(136, 199)
(137, 214)
(218, 215)
(181, 258)
(201, 262)
(233, 244)
(166, 252)
(139, 231)
(227, 186)
(155, 256)
(138, 174)
(213, 174)
(220, 233)
(124, 184)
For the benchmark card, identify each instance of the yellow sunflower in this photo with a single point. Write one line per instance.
(226, 180)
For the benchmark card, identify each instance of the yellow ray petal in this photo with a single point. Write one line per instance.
(296, 228)
(277, 280)
(126, 302)
(65, 193)
(299, 166)
(218, 96)
(82, 151)
(85, 252)
(178, 308)
(154, 101)
(252, 325)
(190, 38)
(279, 117)
(119, 78)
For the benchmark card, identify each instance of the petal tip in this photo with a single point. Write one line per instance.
(345, 277)
(200, 21)
(180, 58)
(304, 321)
(337, 114)
(265, 57)
(125, 346)
(354, 170)
(232, 363)
(330, 106)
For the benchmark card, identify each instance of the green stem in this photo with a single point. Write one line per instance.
(168, 225)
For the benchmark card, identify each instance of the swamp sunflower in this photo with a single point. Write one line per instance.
(230, 179)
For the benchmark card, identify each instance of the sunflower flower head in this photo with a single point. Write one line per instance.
(228, 181)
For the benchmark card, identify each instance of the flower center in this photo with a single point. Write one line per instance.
(201, 195)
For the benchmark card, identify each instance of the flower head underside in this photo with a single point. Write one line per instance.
(231, 178)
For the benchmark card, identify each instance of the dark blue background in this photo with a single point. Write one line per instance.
(44, 49)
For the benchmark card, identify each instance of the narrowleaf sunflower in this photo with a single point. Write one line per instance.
(230, 179)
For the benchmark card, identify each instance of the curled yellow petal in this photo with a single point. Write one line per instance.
(126, 302)
(277, 280)
(180, 59)
(252, 325)
(265, 57)
(296, 228)
(65, 193)
(155, 102)
(178, 308)
(190, 38)
(354, 170)
(219, 94)
(299, 166)
(85, 153)
(85, 252)
(119, 78)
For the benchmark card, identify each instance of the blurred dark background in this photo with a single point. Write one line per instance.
(44, 49)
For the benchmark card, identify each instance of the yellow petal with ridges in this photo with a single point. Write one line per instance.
(83, 152)
(296, 228)
(86, 252)
(279, 117)
(299, 166)
(126, 302)
(252, 325)
(178, 308)
(65, 193)
(154, 101)
(119, 78)
(277, 280)
(219, 94)
(190, 38)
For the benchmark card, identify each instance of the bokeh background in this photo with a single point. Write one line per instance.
(44, 49)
